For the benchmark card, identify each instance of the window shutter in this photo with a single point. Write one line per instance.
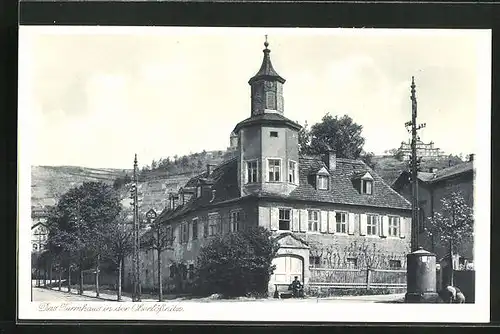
(362, 224)
(350, 222)
(331, 221)
(384, 226)
(295, 220)
(265, 169)
(297, 175)
(244, 170)
(264, 217)
(274, 219)
(324, 221)
(403, 224)
(303, 220)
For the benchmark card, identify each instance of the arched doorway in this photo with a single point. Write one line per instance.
(287, 267)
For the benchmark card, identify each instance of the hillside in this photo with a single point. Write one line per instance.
(49, 182)
(389, 167)
(168, 175)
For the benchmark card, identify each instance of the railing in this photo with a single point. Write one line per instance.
(357, 278)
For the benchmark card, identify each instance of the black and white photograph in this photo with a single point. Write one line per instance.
(254, 174)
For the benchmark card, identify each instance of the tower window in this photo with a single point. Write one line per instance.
(292, 168)
(274, 134)
(252, 171)
(274, 170)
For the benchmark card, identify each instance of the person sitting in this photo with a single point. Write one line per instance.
(297, 288)
(452, 295)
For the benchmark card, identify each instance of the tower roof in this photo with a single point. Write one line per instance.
(266, 69)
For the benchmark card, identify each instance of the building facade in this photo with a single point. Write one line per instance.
(322, 209)
(424, 150)
(433, 186)
(39, 231)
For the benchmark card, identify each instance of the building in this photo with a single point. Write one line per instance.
(433, 185)
(426, 151)
(39, 231)
(320, 208)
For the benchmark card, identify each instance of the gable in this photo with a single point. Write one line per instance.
(288, 240)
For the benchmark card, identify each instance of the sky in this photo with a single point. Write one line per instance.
(94, 96)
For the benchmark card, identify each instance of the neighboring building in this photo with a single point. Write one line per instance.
(321, 209)
(433, 186)
(39, 231)
(426, 151)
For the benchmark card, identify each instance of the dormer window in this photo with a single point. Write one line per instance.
(323, 182)
(367, 187)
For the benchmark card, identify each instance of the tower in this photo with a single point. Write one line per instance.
(267, 140)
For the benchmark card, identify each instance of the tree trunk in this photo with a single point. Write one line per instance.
(97, 275)
(69, 278)
(60, 278)
(160, 281)
(50, 274)
(451, 264)
(80, 288)
(45, 275)
(120, 268)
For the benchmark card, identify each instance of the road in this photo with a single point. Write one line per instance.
(42, 295)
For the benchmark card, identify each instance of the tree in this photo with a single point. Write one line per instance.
(218, 272)
(453, 225)
(119, 238)
(79, 220)
(305, 140)
(342, 135)
(159, 238)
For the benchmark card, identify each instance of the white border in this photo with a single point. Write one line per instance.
(289, 310)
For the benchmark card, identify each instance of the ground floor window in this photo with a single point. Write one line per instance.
(395, 264)
(352, 262)
(235, 219)
(314, 261)
(284, 219)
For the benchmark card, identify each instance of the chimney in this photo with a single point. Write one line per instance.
(332, 159)
(471, 157)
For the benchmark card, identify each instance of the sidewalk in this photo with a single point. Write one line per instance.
(397, 297)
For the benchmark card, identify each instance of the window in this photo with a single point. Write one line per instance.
(371, 225)
(172, 271)
(314, 261)
(195, 228)
(198, 192)
(352, 262)
(367, 187)
(274, 170)
(235, 218)
(35, 247)
(313, 220)
(252, 171)
(191, 271)
(213, 224)
(292, 167)
(341, 222)
(284, 220)
(323, 182)
(274, 134)
(395, 264)
(205, 229)
(184, 233)
(393, 226)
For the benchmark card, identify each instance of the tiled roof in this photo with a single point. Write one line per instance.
(342, 188)
(266, 69)
(438, 176)
(269, 118)
(453, 171)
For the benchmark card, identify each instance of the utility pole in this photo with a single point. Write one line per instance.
(414, 167)
(134, 196)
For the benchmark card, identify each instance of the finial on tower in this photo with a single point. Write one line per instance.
(413, 87)
(135, 159)
(266, 44)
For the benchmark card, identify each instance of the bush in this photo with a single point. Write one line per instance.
(236, 264)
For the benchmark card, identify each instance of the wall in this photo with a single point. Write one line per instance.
(187, 253)
(330, 246)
